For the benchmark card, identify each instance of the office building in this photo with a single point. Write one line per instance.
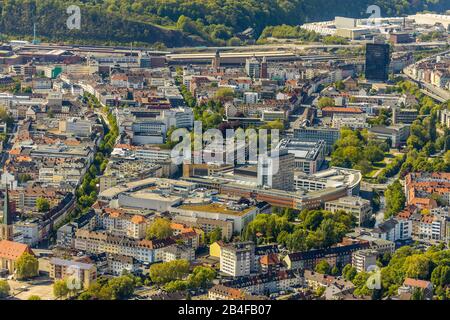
(276, 170)
(358, 206)
(311, 134)
(253, 67)
(309, 156)
(405, 116)
(377, 61)
(395, 134)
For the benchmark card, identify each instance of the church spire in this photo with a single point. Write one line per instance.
(6, 214)
(6, 228)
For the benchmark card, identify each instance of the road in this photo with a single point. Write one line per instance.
(7, 146)
(434, 92)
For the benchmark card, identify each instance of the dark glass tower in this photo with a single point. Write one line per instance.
(377, 61)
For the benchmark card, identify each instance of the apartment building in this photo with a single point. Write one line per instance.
(99, 242)
(118, 263)
(237, 259)
(393, 229)
(119, 223)
(420, 186)
(364, 260)
(358, 206)
(338, 255)
(81, 275)
(178, 252)
(221, 292)
(207, 225)
(239, 215)
(267, 283)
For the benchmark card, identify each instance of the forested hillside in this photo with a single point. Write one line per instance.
(184, 22)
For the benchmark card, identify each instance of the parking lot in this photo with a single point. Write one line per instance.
(22, 290)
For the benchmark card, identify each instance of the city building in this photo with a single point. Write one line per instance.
(10, 252)
(81, 275)
(238, 214)
(335, 256)
(253, 67)
(395, 134)
(365, 260)
(359, 207)
(405, 116)
(276, 170)
(178, 252)
(309, 156)
(237, 259)
(377, 61)
(420, 186)
(118, 263)
(6, 227)
(393, 229)
(315, 134)
(409, 285)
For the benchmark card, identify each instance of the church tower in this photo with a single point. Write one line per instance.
(6, 228)
(216, 61)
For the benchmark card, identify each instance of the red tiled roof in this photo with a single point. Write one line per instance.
(416, 283)
(342, 110)
(13, 250)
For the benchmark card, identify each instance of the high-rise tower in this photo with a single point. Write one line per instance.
(6, 228)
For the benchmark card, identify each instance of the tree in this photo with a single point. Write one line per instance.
(118, 288)
(42, 204)
(395, 199)
(418, 294)
(5, 117)
(224, 94)
(169, 271)
(201, 277)
(34, 297)
(60, 289)
(159, 229)
(373, 153)
(360, 282)
(326, 102)
(349, 272)
(215, 235)
(440, 277)
(4, 289)
(323, 267)
(417, 266)
(121, 287)
(27, 266)
(177, 285)
(85, 296)
(335, 271)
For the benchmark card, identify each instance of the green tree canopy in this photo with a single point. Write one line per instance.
(159, 229)
(27, 266)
